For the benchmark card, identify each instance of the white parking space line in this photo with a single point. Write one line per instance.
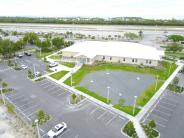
(162, 112)
(29, 115)
(102, 114)
(121, 117)
(17, 97)
(159, 117)
(42, 84)
(169, 109)
(94, 110)
(167, 103)
(113, 118)
(168, 99)
(54, 92)
(27, 109)
(13, 94)
(77, 136)
(45, 87)
(52, 88)
(61, 94)
(25, 104)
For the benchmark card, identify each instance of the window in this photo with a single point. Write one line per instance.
(110, 58)
(132, 60)
(146, 61)
(124, 59)
(135, 60)
(103, 57)
(150, 62)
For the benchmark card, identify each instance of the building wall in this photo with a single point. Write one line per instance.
(70, 56)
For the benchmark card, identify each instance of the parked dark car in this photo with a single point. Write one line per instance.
(27, 53)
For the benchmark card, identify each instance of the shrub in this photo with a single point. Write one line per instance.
(130, 130)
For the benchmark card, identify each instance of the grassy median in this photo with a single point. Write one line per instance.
(59, 75)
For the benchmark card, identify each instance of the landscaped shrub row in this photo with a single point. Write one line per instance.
(149, 129)
(130, 130)
(93, 94)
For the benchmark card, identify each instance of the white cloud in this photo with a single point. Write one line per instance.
(95, 8)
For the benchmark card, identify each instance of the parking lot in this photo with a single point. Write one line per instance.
(84, 120)
(32, 62)
(168, 114)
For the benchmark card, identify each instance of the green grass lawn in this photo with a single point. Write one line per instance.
(127, 109)
(93, 94)
(175, 54)
(55, 57)
(59, 75)
(148, 93)
(86, 69)
(70, 65)
(163, 73)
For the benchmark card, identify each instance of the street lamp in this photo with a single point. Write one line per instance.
(2, 95)
(108, 87)
(170, 68)
(37, 127)
(135, 99)
(71, 81)
(156, 83)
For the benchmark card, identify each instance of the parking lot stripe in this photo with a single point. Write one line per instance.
(52, 88)
(32, 113)
(159, 124)
(169, 109)
(27, 109)
(65, 132)
(167, 103)
(14, 99)
(170, 100)
(114, 117)
(61, 94)
(77, 136)
(159, 117)
(42, 84)
(121, 117)
(162, 112)
(94, 110)
(102, 114)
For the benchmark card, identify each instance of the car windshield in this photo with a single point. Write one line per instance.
(54, 129)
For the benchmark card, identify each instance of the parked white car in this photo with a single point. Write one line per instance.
(57, 130)
(24, 67)
(53, 64)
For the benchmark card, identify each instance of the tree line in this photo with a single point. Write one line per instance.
(8, 48)
(101, 21)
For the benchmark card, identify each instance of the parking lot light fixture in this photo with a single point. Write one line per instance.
(37, 127)
(2, 95)
(71, 81)
(135, 99)
(108, 93)
(156, 83)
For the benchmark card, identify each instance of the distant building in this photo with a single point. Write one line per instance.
(116, 52)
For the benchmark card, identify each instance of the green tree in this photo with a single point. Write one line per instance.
(41, 116)
(58, 42)
(176, 38)
(152, 124)
(121, 102)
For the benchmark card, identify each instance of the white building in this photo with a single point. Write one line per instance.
(88, 52)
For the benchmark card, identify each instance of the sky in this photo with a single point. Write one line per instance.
(154, 9)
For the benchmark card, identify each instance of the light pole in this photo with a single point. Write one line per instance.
(34, 70)
(71, 81)
(170, 69)
(108, 93)
(40, 51)
(135, 99)
(37, 127)
(2, 95)
(156, 83)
